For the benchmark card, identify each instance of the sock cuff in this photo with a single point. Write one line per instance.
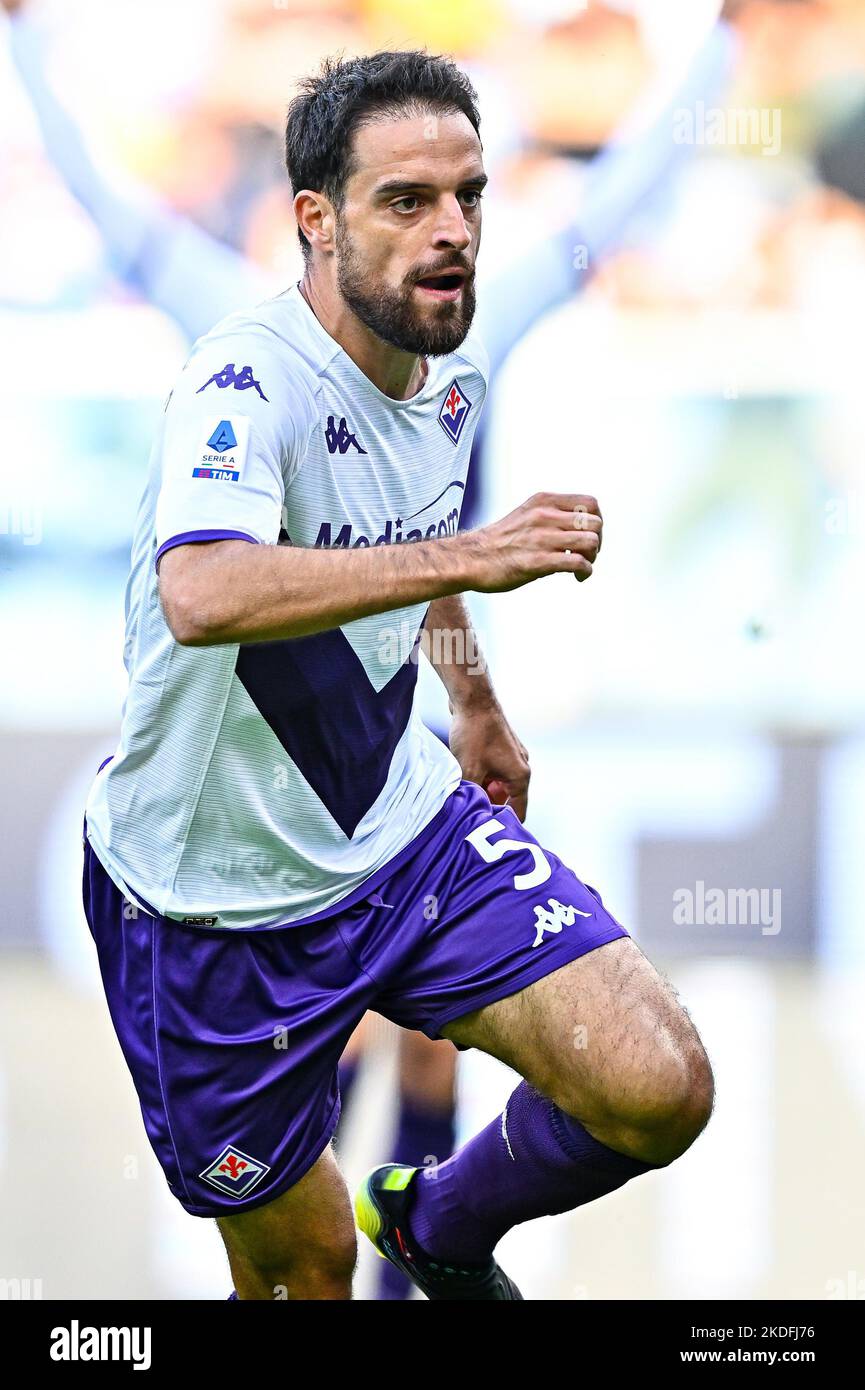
(583, 1147)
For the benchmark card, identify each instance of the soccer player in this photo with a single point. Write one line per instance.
(196, 279)
(279, 844)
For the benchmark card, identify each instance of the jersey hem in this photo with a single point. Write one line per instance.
(355, 895)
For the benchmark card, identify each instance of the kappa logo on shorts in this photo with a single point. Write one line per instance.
(235, 1172)
(553, 917)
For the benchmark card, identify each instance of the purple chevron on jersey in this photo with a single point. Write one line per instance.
(339, 731)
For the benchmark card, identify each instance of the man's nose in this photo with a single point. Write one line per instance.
(450, 227)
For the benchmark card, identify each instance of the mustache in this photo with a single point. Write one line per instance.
(448, 269)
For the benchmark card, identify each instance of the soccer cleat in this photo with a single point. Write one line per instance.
(381, 1207)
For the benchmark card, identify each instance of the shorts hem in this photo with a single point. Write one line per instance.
(541, 967)
(294, 1176)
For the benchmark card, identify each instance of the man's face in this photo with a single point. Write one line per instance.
(409, 229)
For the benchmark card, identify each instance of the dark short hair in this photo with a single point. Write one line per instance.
(346, 93)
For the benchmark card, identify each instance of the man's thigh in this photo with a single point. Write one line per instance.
(479, 914)
(493, 942)
(602, 1034)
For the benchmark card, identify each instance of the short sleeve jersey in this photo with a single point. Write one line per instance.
(261, 784)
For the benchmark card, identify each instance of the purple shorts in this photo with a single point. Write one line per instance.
(233, 1038)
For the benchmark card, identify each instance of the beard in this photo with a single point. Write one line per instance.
(394, 315)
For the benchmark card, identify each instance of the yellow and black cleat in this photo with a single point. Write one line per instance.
(381, 1207)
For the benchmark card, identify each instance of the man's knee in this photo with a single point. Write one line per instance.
(301, 1245)
(323, 1270)
(654, 1107)
(675, 1108)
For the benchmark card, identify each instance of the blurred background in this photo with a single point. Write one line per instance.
(672, 290)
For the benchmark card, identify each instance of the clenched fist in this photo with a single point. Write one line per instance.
(553, 532)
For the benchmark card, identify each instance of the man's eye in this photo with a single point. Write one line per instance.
(400, 203)
(475, 195)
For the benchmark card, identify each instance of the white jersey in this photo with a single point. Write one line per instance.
(261, 784)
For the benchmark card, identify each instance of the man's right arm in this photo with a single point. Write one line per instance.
(230, 591)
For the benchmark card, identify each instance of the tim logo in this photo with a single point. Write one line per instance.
(454, 411)
(340, 439)
(241, 381)
(234, 1172)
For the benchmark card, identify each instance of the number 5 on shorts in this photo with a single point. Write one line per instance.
(492, 851)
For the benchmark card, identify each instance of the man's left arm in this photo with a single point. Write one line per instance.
(481, 739)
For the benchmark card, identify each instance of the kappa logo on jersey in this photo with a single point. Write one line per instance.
(241, 381)
(454, 411)
(340, 439)
(234, 1172)
(553, 917)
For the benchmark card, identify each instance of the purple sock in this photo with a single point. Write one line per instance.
(423, 1133)
(533, 1160)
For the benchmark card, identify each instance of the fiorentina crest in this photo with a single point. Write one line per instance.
(234, 1172)
(454, 411)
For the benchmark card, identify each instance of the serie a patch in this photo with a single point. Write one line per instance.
(222, 450)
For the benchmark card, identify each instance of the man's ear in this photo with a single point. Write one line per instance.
(316, 219)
